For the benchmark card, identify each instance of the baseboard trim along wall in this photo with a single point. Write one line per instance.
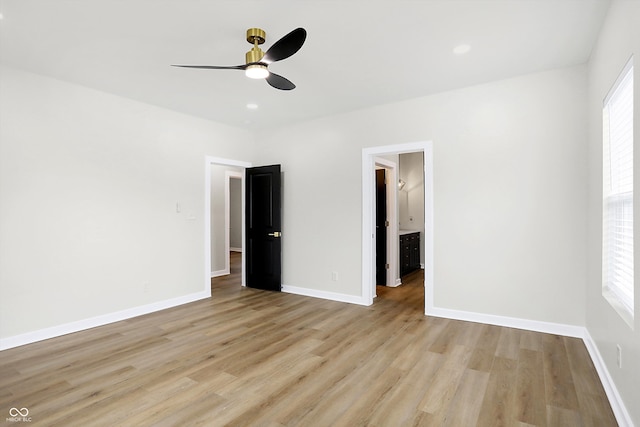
(333, 296)
(81, 325)
(509, 322)
(219, 273)
(617, 405)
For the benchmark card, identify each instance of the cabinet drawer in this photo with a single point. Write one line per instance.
(408, 238)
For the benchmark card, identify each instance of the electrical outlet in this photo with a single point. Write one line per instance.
(146, 286)
(619, 356)
(334, 276)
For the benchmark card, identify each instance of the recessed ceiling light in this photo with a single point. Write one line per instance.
(461, 49)
(252, 106)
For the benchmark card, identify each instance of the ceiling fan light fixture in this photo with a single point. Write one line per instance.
(257, 61)
(257, 71)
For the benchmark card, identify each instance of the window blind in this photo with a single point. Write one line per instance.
(618, 190)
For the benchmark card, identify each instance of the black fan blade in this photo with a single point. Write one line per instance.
(213, 67)
(286, 46)
(279, 82)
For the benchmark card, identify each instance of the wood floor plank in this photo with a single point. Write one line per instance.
(563, 417)
(508, 344)
(485, 349)
(559, 387)
(466, 404)
(530, 404)
(446, 340)
(360, 411)
(247, 357)
(403, 402)
(498, 406)
(530, 340)
(445, 381)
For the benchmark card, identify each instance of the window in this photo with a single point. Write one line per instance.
(617, 126)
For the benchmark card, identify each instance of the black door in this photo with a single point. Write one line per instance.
(264, 247)
(381, 228)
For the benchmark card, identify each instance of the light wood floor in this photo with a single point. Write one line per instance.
(252, 358)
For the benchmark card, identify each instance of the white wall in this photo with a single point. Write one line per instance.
(88, 189)
(619, 38)
(89, 194)
(510, 199)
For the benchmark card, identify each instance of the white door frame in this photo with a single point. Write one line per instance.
(368, 217)
(391, 176)
(209, 162)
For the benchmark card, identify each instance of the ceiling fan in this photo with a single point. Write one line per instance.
(257, 61)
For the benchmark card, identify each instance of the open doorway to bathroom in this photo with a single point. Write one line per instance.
(410, 230)
(400, 229)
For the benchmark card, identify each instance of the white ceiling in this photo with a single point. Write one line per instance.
(357, 53)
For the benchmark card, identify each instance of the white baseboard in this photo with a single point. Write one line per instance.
(81, 325)
(235, 249)
(617, 405)
(397, 283)
(510, 322)
(219, 273)
(333, 296)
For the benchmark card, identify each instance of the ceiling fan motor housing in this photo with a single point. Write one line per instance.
(254, 55)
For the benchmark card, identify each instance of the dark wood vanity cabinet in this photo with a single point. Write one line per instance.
(409, 252)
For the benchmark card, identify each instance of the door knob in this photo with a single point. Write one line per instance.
(275, 234)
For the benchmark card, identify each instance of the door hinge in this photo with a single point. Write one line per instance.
(386, 223)
(386, 266)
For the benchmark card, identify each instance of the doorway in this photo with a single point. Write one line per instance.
(217, 236)
(369, 158)
(224, 179)
(260, 243)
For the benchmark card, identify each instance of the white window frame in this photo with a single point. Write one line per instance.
(618, 284)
